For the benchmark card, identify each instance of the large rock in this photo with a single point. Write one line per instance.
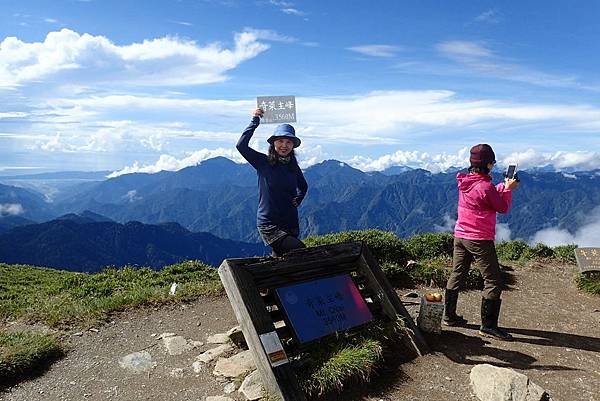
(137, 362)
(213, 353)
(491, 383)
(252, 386)
(235, 366)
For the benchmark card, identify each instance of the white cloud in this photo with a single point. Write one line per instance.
(83, 123)
(293, 11)
(50, 20)
(170, 163)
(586, 235)
(288, 7)
(560, 160)
(463, 50)
(13, 114)
(433, 162)
(376, 50)
(440, 162)
(491, 16)
(477, 57)
(184, 23)
(156, 62)
(503, 232)
(132, 196)
(448, 226)
(11, 209)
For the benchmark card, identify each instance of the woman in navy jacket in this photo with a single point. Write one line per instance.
(281, 185)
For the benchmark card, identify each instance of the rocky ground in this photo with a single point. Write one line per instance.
(556, 329)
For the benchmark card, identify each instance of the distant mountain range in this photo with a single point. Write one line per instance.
(219, 196)
(89, 242)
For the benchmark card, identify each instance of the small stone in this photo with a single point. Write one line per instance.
(177, 372)
(229, 388)
(165, 335)
(196, 344)
(448, 378)
(137, 362)
(198, 366)
(153, 335)
(213, 353)
(237, 365)
(252, 387)
(93, 330)
(220, 338)
(78, 334)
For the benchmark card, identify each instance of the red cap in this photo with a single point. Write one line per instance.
(482, 155)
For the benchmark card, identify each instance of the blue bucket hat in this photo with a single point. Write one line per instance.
(285, 131)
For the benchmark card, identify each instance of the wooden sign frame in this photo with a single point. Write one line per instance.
(250, 285)
(588, 259)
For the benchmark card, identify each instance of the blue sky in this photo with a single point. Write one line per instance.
(143, 86)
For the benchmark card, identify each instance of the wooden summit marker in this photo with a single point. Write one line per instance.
(284, 305)
(588, 259)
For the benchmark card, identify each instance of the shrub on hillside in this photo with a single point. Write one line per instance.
(511, 250)
(384, 245)
(565, 253)
(430, 246)
(539, 251)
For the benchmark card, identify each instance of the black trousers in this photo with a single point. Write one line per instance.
(286, 244)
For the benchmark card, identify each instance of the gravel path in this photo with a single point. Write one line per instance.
(556, 329)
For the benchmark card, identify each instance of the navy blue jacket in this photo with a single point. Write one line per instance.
(278, 185)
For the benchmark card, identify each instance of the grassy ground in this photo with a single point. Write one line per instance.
(589, 282)
(23, 353)
(58, 297)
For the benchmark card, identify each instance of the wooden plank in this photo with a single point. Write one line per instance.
(303, 258)
(284, 278)
(280, 381)
(392, 305)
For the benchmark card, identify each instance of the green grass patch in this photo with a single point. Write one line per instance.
(56, 297)
(329, 367)
(589, 282)
(23, 354)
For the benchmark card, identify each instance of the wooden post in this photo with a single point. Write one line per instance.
(250, 311)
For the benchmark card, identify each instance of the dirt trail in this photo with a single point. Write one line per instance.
(556, 329)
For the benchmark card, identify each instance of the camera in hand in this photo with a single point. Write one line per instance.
(511, 172)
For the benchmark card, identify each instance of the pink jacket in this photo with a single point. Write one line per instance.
(478, 202)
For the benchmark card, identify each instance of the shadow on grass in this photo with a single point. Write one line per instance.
(9, 378)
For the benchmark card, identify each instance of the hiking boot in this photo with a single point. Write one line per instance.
(450, 316)
(490, 310)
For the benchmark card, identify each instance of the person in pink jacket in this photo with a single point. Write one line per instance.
(478, 203)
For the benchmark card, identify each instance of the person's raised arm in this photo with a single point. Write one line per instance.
(252, 156)
(500, 197)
